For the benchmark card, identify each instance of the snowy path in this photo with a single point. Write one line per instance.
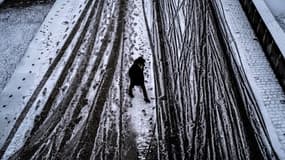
(132, 119)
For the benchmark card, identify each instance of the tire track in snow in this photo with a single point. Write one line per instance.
(44, 141)
(119, 135)
(203, 117)
(84, 150)
(47, 75)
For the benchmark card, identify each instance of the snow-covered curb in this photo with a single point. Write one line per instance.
(274, 27)
(268, 29)
(51, 37)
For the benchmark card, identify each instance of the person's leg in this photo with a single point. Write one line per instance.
(131, 89)
(145, 93)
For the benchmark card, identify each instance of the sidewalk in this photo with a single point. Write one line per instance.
(265, 86)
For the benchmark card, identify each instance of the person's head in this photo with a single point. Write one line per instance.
(140, 62)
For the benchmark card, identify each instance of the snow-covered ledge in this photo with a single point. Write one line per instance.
(270, 33)
(273, 26)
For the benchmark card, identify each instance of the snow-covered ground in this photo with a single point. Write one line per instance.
(70, 90)
(278, 9)
(17, 28)
(39, 54)
(277, 6)
(281, 20)
(31, 89)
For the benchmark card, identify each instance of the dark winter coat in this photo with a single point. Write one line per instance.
(136, 75)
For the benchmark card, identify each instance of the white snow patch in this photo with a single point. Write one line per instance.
(281, 20)
(276, 6)
(18, 27)
(39, 55)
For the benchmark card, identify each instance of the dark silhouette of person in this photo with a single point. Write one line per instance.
(137, 77)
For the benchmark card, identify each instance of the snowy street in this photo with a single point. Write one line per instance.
(20, 26)
(75, 93)
(68, 97)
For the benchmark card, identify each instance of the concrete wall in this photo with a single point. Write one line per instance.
(269, 33)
